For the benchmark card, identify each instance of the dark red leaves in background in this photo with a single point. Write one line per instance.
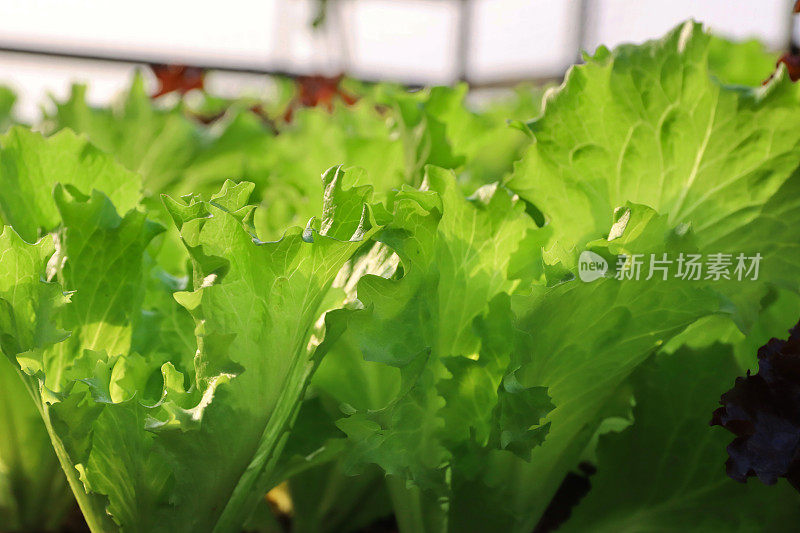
(792, 62)
(318, 91)
(177, 78)
(791, 58)
(312, 91)
(763, 411)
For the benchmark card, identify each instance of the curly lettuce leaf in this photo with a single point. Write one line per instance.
(31, 165)
(324, 497)
(649, 124)
(454, 254)
(253, 298)
(438, 128)
(87, 384)
(155, 142)
(30, 476)
(137, 426)
(581, 342)
(646, 125)
(286, 174)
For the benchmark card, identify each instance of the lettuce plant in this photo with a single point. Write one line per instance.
(718, 165)
(137, 426)
(641, 151)
(428, 342)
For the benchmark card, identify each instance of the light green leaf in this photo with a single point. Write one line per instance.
(255, 305)
(134, 449)
(31, 165)
(583, 340)
(645, 125)
(740, 63)
(649, 124)
(7, 101)
(155, 142)
(454, 254)
(30, 476)
(31, 480)
(101, 261)
(287, 172)
(438, 128)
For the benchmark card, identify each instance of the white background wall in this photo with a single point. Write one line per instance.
(405, 40)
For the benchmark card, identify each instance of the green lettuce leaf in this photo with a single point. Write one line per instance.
(438, 128)
(740, 63)
(30, 477)
(454, 254)
(644, 125)
(7, 101)
(250, 299)
(649, 124)
(473, 368)
(34, 495)
(89, 383)
(583, 340)
(234, 153)
(156, 142)
(286, 174)
(666, 473)
(324, 497)
(31, 165)
(137, 425)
